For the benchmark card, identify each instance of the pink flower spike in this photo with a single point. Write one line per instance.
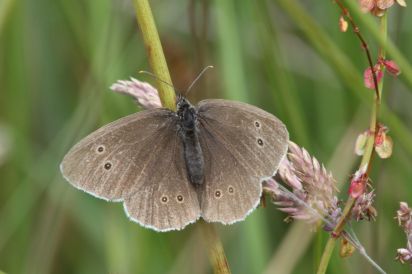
(368, 77)
(392, 67)
(287, 173)
(307, 191)
(144, 93)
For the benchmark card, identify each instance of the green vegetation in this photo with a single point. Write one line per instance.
(57, 60)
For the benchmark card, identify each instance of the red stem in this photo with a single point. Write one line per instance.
(357, 32)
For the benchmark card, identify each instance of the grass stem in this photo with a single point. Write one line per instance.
(370, 143)
(167, 97)
(155, 53)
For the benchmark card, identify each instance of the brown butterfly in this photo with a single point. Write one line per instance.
(171, 168)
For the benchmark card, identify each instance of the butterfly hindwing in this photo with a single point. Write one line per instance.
(168, 201)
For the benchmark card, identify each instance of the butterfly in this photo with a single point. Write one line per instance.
(171, 168)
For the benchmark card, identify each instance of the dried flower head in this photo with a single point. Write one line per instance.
(363, 207)
(361, 141)
(383, 142)
(346, 248)
(313, 190)
(144, 93)
(358, 183)
(404, 216)
(368, 76)
(343, 24)
(391, 67)
(378, 7)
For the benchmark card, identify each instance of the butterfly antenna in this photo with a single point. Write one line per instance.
(197, 78)
(158, 79)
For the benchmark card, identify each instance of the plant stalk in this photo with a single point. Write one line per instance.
(370, 143)
(155, 53)
(217, 255)
(168, 98)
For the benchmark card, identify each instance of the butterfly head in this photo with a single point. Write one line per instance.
(186, 113)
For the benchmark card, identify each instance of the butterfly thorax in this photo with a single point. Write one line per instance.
(187, 115)
(188, 132)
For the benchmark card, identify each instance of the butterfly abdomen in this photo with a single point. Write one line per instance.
(193, 157)
(192, 152)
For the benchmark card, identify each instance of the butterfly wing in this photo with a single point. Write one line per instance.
(241, 144)
(167, 201)
(135, 159)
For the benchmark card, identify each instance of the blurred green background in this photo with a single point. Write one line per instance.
(57, 60)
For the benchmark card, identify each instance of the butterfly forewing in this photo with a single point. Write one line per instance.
(103, 163)
(126, 160)
(241, 144)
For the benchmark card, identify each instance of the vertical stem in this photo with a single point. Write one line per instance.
(365, 46)
(167, 97)
(155, 53)
(327, 254)
(383, 29)
(216, 253)
(370, 143)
